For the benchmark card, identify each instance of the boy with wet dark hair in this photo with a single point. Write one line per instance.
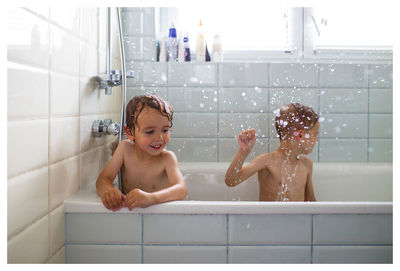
(151, 173)
(285, 174)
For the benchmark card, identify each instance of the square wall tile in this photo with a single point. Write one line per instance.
(193, 99)
(353, 254)
(343, 150)
(343, 75)
(64, 95)
(243, 100)
(269, 229)
(64, 138)
(88, 60)
(344, 100)
(96, 254)
(192, 74)
(57, 229)
(147, 74)
(132, 22)
(184, 254)
(58, 258)
(381, 101)
(27, 98)
(31, 245)
(66, 17)
(244, 74)
(381, 126)
(353, 229)
(27, 145)
(27, 199)
(380, 150)
(230, 125)
(184, 229)
(343, 125)
(194, 149)
(228, 148)
(89, 20)
(293, 74)
(269, 254)
(380, 76)
(149, 21)
(160, 91)
(84, 228)
(194, 124)
(282, 96)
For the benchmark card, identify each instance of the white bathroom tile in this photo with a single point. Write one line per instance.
(147, 74)
(89, 60)
(342, 150)
(184, 254)
(353, 229)
(193, 99)
(89, 21)
(192, 74)
(230, 125)
(64, 95)
(64, 52)
(381, 101)
(380, 76)
(269, 254)
(89, 167)
(58, 257)
(184, 229)
(343, 125)
(343, 75)
(64, 181)
(67, 18)
(244, 74)
(281, 96)
(194, 149)
(27, 89)
(149, 49)
(89, 96)
(352, 254)
(380, 150)
(96, 254)
(194, 124)
(135, 48)
(57, 230)
(344, 100)
(110, 103)
(149, 21)
(63, 138)
(160, 91)
(269, 229)
(31, 245)
(293, 74)
(132, 21)
(27, 38)
(381, 126)
(243, 100)
(274, 145)
(27, 199)
(84, 228)
(27, 145)
(228, 147)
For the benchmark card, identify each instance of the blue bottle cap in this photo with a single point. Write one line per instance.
(172, 33)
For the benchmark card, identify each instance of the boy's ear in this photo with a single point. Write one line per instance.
(129, 134)
(298, 134)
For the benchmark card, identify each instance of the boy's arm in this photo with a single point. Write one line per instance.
(236, 173)
(112, 198)
(309, 191)
(176, 191)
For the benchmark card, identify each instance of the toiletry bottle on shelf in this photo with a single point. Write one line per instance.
(217, 49)
(163, 54)
(200, 48)
(208, 58)
(172, 52)
(186, 47)
(181, 49)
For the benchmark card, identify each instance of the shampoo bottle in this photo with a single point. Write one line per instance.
(172, 54)
(181, 50)
(163, 54)
(217, 49)
(201, 47)
(187, 47)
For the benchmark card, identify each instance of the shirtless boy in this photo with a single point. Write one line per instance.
(151, 173)
(285, 174)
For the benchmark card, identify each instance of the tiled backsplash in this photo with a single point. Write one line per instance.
(213, 102)
(52, 54)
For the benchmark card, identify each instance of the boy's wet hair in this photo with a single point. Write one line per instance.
(293, 117)
(138, 103)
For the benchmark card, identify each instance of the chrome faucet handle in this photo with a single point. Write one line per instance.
(113, 128)
(130, 74)
(106, 127)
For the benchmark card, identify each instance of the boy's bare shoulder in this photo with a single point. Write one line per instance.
(307, 161)
(167, 155)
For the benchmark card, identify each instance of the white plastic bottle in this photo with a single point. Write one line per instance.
(217, 55)
(201, 44)
(172, 52)
(163, 53)
(181, 50)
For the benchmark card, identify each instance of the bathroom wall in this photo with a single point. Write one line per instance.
(52, 54)
(213, 102)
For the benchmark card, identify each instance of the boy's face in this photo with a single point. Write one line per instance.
(309, 138)
(152, 131)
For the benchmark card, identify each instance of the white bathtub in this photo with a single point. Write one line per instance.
(351, 222)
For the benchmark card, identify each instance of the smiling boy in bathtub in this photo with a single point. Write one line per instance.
(285, 174)
(151, 173)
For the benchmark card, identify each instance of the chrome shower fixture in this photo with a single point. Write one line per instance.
(106, 127)
(107, 81)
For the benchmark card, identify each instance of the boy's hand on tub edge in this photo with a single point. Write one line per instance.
(138, 198)
(113, 199)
